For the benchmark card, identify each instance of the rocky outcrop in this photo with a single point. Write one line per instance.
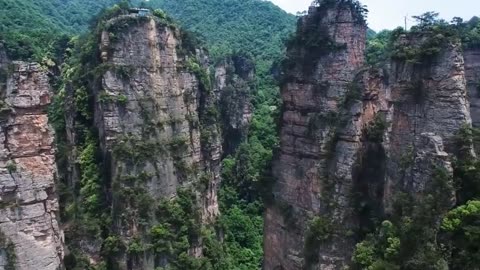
(428, 108)
(356, 142)
(157, 121)
(234, 85)
(308, 168)
(30, 234)
(472, 74)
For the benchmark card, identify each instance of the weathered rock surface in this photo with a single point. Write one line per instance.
(153, 114)
(234, 85)
(427, 103)
(472, 74)
(352, 140)
(29, 205)
(303, 165)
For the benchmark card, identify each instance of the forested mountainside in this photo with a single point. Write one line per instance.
(253, 26)
(34, 29)
(257, 27)
(131, 142)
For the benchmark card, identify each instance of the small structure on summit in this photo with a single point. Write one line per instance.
(141, 12)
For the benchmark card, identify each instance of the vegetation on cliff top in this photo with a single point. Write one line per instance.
(227, 26)
(423, 41)
(253, 26)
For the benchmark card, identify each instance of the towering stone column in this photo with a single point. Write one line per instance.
(362, 145)
(313, 170)
(30, 237)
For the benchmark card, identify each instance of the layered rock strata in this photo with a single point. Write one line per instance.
(30, 237)
(157, 120)
(353, 140)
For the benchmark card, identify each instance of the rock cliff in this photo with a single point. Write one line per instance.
(156, 114)
(472, 74)
(151, 100)
(360, 145)
(313, 94)
(30, 237)
(234, 85)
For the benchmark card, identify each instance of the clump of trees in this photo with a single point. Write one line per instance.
(428, 37)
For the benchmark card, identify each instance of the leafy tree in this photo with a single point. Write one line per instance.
(427, 19)
(377, 51)
(463, 227)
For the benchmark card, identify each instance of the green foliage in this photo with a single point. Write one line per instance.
(229, 26)
(376, 129)
(462, 227)
(179, 229)
(469, 31)
(138, 151)
(467, 166)
(409, 240)
(112, 245)
(56, 111)
(314, 37)
(433, 33)
(353, 95)
(377, 51)
(37, 29)
(201, 73)
(11, 167)
(427, 19)
(460, 216)
(319, 230)
(135, 247)
(246, 180)
(82, 102)
(380, 250)
(107, 98)
(424, 41)
(90, 179)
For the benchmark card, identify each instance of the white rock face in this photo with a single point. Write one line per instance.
(28, 203)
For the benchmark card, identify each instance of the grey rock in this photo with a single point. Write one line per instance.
(29, 206)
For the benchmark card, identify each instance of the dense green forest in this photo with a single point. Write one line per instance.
(32, 29)
(253, 26)
(39, 29)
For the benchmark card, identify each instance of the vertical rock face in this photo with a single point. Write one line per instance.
(472, 74)
(312, 93)
(354, 141)
(234, 84)
(156, 117)
(30, 235)
(428, 107)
